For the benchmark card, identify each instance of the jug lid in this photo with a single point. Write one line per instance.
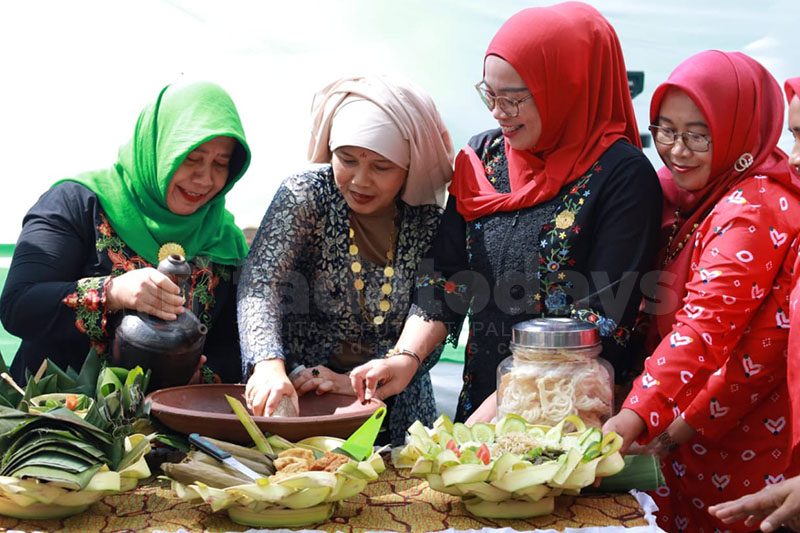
(555, 333)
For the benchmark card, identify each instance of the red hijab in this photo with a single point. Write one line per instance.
(569, 57)
(743, 106)
(792, 88)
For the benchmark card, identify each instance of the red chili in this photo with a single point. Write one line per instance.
(452, 446)
(484, 454)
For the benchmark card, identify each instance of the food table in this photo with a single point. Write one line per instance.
(395, 502)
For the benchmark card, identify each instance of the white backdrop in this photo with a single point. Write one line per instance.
(74, 75)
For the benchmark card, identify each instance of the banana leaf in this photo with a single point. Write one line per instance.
(132, 456)
(87, 379)
(10, 418)
(641, 472)
(108, 382)
(51, 446)
(47, 458)
(59, 477)
(96, 417)
(9, 396)
(61, 418)
(46, 436)
(61, 380)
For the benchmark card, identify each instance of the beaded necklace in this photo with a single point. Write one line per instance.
(670, 256)
(388, 273)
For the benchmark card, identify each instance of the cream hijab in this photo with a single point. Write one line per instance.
(430, 150)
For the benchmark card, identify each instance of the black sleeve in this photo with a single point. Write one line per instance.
(443, 279)
(624, 235)
(54, 250)
(222, 344)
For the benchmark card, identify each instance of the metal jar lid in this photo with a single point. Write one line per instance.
(555, 333)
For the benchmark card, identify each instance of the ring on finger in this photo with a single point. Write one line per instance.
(315, 372)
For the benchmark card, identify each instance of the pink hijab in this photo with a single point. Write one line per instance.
(570, 58)
(743, 106)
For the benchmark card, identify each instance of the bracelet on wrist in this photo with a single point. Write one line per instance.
(665, 440)
(408, 353)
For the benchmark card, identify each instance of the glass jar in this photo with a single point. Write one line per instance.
(554, 370)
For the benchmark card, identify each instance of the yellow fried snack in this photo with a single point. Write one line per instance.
(329, 462)
(298, 452)
(284, 462)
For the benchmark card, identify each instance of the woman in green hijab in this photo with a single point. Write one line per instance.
(89, 245)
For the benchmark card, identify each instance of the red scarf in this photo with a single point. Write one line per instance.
(569, 57)
(743, 106)
(792, 88)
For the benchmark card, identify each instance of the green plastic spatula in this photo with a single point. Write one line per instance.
(358, 446)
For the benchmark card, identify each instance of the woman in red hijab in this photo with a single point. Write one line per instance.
(553, 213)
(780, 503)
(713, 394)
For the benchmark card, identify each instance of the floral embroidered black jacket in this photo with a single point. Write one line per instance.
(581, 254)
(54, 295)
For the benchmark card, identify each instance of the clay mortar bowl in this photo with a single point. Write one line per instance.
(203, 409)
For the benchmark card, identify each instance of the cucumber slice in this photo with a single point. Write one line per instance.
(511, 423)
(553, 436)
(537, 431)
(461, 433)
(483, 432)
(444, 437)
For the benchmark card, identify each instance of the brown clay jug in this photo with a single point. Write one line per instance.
(171, 349)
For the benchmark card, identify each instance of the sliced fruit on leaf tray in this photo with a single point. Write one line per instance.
(525, 468)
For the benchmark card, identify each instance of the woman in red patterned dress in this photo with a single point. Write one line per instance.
(779, 504)
(712, 400)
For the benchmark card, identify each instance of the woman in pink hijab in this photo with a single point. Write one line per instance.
(328, 281)
(712, 400)
(780, 503)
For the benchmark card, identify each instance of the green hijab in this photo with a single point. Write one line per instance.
(133, 191)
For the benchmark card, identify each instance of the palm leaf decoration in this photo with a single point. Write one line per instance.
(50, 453)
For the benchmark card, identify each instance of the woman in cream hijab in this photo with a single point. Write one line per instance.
(328, 281)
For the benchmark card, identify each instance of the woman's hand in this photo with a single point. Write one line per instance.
(780, 503)
(381, 378)
(486, 412)
(197, 377)
(267, 385)
(678, 432)
(322, 379)
(146, 290)
(628, 425)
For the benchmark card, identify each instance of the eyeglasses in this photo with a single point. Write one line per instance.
(509, 106)
(693, 141)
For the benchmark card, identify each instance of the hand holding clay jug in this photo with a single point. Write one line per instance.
(170, 348)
